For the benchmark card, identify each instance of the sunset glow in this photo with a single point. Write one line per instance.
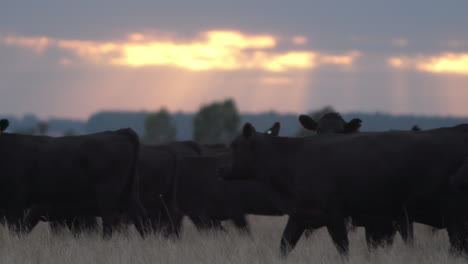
(456, 63)
(450, 63)
(347, 59)
(299, 40)
(212, 50)
(38, 44)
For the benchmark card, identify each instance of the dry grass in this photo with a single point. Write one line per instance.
(43, 247)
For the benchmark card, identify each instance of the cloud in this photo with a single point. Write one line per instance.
(455, 63)
(346, 59)
(38, 44)
(210, 50)
(299, 40)
(400, 42)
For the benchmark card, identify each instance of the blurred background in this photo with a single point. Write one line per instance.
(186, 69)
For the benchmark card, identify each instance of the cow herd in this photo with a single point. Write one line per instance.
(338, 178)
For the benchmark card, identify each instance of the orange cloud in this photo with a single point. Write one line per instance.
(211, 50)
(38, 44)
(299, 40)
(346, 59)
(456, 63)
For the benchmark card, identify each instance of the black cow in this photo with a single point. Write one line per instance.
(207, 199)
(377, 234)
(157, 168)
(91, 175)
(364, 175)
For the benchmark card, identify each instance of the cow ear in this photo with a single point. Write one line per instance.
(248, 130)
(353, 125)
(307, 122)
(274, 130)
(4, 123)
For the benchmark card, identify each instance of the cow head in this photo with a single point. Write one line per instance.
(247, 149)
(330, 123)
(4, 123)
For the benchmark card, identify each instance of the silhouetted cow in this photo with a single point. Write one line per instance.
(379, 233)
(364, 175)
(157, 167)
(91, 175)
(202, 196)
(206, 198)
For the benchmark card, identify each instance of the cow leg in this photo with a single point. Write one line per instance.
(160, 223)
(80, 224)
(57, 226)
(176, 224)
(291, 235)
(204, 224)
(458, 235)
(404, 225)
(139, 216)
(242, 225)
(170, 218)
(379, 234)
(339, 234)
(14, 219)
(89, 224)
(73, 225)
(308, 232)
(171, 225)
(109, 208)
(110, 222)
(32, 218)
(405, 228)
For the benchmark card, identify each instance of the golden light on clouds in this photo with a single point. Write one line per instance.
(396, 62)
(299, 40)
(346, 59)
(211, 50)
(455, 63)
(289, 60)
(37, 44)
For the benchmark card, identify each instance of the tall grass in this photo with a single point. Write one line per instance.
(42, 246)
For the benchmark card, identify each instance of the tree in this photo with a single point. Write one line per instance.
(159, 128)
(216, 123)
(316, 115)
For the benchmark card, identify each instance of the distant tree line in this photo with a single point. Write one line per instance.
(216, 122)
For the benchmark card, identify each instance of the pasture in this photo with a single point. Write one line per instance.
(41, 246)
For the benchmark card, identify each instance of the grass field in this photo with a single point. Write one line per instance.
(41, 246)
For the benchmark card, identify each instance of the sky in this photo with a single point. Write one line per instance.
(70, 59)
